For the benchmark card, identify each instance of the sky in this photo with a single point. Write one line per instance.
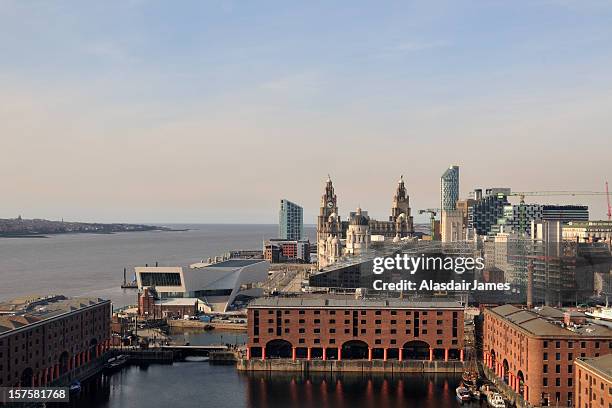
(212, 111)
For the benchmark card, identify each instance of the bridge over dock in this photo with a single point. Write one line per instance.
(180, 352)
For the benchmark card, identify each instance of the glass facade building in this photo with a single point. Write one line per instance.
(290, 221)
(449, 189)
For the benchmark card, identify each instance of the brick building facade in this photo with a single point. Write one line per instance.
(150, 306)
(594, 382)
(337, 328)
(533, 351)
(42, 339)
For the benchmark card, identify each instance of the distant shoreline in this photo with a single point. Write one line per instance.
(40, 228)
(49, 234)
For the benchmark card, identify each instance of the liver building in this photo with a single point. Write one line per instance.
(336, 238)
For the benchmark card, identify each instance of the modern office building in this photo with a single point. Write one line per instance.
(558, 267)
(517, 218)
(290, 221)
(533, 350)
(553, 264)
(216, 284)
(486, 210)
(45, 339)
(449, 189)
(565, 213)
(286, 251)
(342, 327)
(588, 231)
(593, 380)
(463, 206)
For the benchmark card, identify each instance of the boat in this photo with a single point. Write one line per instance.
(476, 395)
(75, 387)
(463, 394)
(469, 378)
(115, 363)
(495, 400)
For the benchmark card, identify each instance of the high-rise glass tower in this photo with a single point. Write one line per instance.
(290, 221)
(449, 189)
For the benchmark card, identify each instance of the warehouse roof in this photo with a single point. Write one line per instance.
(548, 321)
(339, 301)
(601, 365)
(23, 311)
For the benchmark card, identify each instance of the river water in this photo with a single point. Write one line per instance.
(92, 264)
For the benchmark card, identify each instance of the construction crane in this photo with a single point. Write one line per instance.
(608, 198)
(523, 194)
(432, 218)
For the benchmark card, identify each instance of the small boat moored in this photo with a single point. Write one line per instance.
(115, 363)
(463, 394)
(496, 400)
(75, 387)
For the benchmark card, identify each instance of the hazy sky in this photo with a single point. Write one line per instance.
(211, 111)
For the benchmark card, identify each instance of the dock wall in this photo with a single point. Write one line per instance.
(362, 366)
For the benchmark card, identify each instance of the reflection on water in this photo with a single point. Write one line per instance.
(198, 384)
(351, 390)
(206, 337)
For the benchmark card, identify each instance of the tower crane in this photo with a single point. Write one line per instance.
(523, 194)
(432, 219)
(608, 198)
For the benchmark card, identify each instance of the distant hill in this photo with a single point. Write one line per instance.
(24, 227)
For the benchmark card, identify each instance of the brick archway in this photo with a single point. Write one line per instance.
(279, 349)
(355, 350)
(416, 350)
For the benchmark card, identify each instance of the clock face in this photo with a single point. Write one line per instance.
(330, 204)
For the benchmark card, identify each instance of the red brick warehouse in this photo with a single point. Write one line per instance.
(43, 339)
(533, 350)
(337, 328)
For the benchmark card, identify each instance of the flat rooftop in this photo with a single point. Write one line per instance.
(23, 311)
(548, 323)
(340, 301)
(178, 301)
(235, 263)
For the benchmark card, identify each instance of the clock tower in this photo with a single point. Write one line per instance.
(328, 225)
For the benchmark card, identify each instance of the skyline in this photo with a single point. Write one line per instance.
(212, 112)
